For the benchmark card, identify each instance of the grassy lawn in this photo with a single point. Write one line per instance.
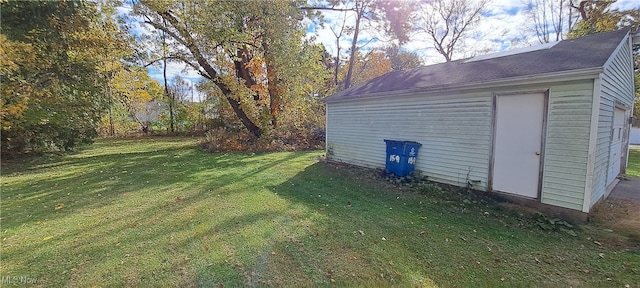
(160, 212)
(633, 169)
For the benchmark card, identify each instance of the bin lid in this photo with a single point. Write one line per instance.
(396, 142)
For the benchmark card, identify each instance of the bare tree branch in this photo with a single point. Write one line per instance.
(447, 22)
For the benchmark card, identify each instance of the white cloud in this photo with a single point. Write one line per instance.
(504, 26)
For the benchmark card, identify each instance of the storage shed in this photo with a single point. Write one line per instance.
(545, 124)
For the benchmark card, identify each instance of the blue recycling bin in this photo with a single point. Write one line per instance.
(401, 156)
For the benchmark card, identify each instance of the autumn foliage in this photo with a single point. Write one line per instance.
(49, 80)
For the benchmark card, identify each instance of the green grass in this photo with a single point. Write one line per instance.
(633, 169)
(160, 212)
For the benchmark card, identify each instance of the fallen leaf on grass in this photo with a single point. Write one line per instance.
(59, 206)
(47, 238)
(329, 273)
(361, 232)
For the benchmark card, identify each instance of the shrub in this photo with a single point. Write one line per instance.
(227, 139)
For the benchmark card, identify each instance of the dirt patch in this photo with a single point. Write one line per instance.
(620, 216)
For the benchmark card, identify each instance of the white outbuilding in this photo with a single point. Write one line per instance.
(545, 124)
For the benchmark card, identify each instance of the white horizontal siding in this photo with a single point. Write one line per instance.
(454, 131)
(616, 87)
(567, 144)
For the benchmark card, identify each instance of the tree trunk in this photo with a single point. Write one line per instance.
(164, 74)
(354, 42)
(273, 86)
(242, 72)
(337, 68)
(184, 36)
(110, 97)
(168, 95)
(253, 128)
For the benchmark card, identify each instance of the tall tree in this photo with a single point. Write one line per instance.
(369, 15)
(52, 94)
(447, 23)
(596, 16)
(242, 49)
(551, 19)
(338, 31)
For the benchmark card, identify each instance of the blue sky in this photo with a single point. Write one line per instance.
(502, 22)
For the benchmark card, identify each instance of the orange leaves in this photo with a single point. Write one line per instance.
(367, 67)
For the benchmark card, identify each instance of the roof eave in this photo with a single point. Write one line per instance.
(578, 74)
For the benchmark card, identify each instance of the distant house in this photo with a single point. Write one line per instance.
(150, 112)
(548, 125)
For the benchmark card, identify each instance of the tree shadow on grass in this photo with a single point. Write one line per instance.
(137, 206)
(97, 181)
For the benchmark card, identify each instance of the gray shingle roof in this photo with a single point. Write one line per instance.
(590, 51)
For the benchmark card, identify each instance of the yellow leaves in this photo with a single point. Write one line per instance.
(14, 54)
(47, 238)
(15, 109)
(15, 100)
(59, 206)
